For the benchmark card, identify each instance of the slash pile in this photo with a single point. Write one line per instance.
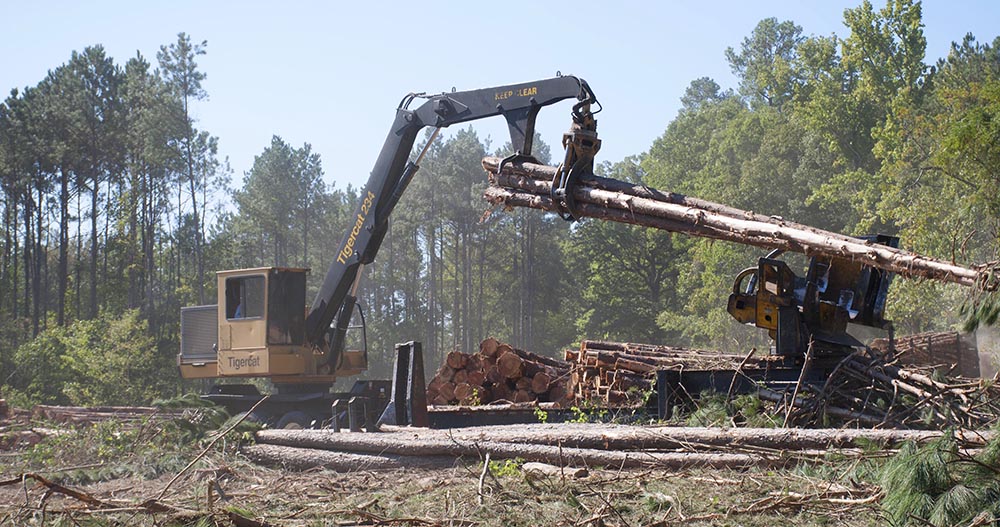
(867, 389)
(934, 349)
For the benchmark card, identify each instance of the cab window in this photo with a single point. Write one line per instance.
(244, 297)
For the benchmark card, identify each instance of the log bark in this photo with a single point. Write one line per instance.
(489, 347)
(657, 209)
(404, 445)
(292, 458)
(628, 437)
(540, 382)
(456, 360)
(510, 365)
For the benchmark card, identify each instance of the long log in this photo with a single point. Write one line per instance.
(716, 223)
(404, 444)
(293, 458)
(628, 437)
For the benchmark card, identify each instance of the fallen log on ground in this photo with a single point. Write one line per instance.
(294, 458)
(625, 437)
(405, 444)
(617, 446)
(529, 185)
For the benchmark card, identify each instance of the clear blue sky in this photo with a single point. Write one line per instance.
(331, 74)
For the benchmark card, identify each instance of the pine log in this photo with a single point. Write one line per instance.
(522, 396)
(445, 373)
(502, 392)
(489, 347)
(476, 378)
(463, 391)
(541, 359)
(558, 393)
(635, 366)
(461, 377)
(447, 390)
(493, 375)
(293, 458)
(392, 444)
(540, 382)
(716, 222)
(628, 437)
(456, 360)
(473, 363)
(510, 365)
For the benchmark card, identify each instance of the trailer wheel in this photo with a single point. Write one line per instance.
(294, 420)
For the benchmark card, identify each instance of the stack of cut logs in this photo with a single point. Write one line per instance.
(499, 373)
(947, 349)
(621, 374)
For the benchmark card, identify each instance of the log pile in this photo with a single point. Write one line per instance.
(618, 374)
(947, 349)
(522, 184)
(499, 373)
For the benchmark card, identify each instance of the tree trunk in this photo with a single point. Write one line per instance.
(63, 272)
(404, 444)
(650, 208)
(92, 313)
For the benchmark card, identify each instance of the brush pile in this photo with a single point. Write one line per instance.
(947, 350)
(866, 388)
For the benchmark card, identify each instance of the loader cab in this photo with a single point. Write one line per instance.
(261, 317)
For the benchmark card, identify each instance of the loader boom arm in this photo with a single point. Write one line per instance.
(518, 103)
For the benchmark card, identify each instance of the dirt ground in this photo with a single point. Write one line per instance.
(172, 473)
(226, 489)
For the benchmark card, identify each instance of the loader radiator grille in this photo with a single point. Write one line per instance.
(199, 334)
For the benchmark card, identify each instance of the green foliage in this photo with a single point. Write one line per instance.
(106, 361)
(588, 412)
(507, 467)
(108, 450)
(938, 484)
(716, 409)
(541, 415)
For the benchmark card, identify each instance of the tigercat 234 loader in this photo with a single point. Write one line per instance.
(260, 325)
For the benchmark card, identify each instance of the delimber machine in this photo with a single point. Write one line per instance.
(260, 326)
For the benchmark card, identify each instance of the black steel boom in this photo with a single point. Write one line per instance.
(518, 103)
